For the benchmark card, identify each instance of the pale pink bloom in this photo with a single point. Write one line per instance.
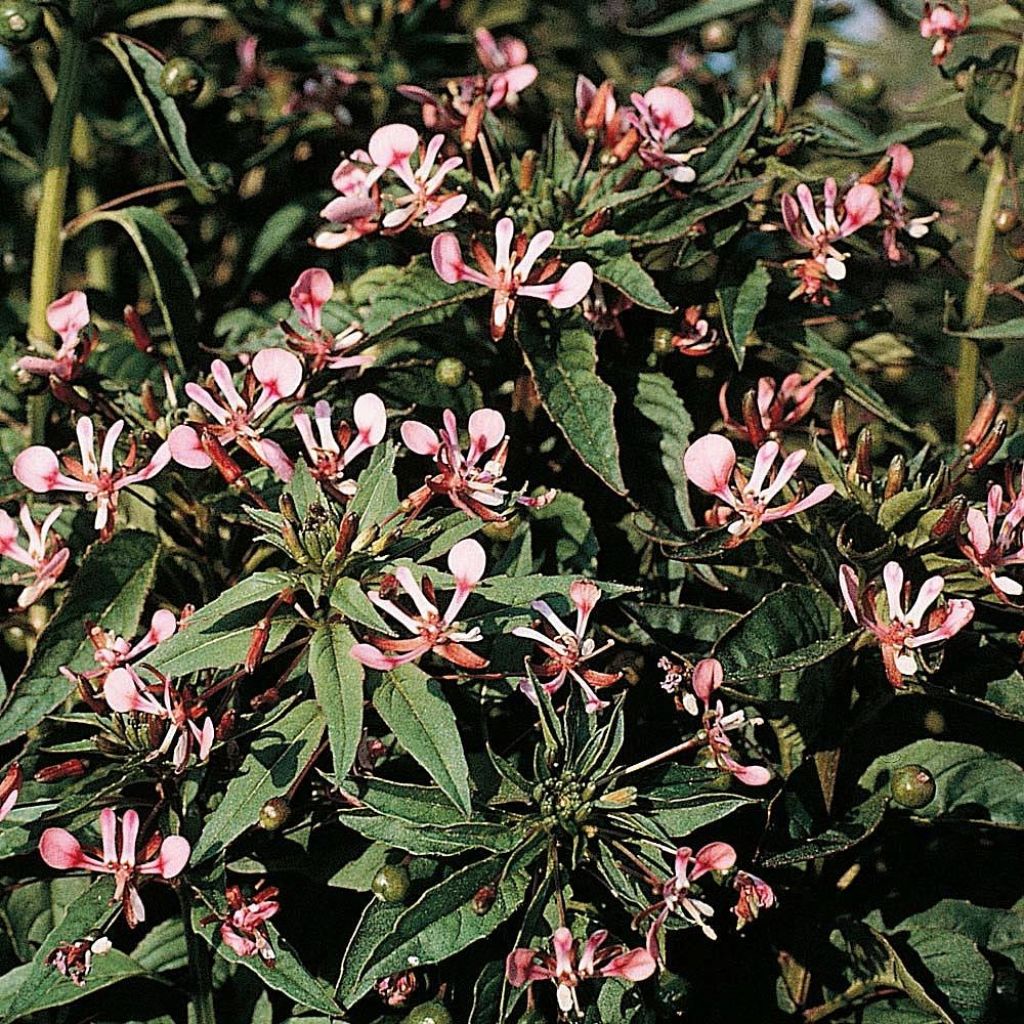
(695, 337)
(321, 349)
(67, 316)
(779, 406)
(755, 895)
(598, 115)
(471, 482)
(658, 115)
(329, 453)
(38, 468)
(279, 373)
(312, 290)
(448, 111)
(125, 693)
(47, 561)
(710, 464)
(894, 212)
(391, 148)
(567, 967)
(505, 61)
(945, 27)
(675, 891)
(61, 850)
(707, 678)
(244, 928)
(111, 651)
(818, 273)
(567, 650)
(990, 549)
(901, 632)
(357, 208)
(10, 787)
(431, 630)
(511, 272)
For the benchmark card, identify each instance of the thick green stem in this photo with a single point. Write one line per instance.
(792, 58)
(976, 299)
(199, 964)
(56, 169)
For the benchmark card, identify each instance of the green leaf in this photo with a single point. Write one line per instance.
(350, 599)
(163, 947)
(165, 257)
(741, 304)
(415, 297)
(724, 148)
(279, 228)
(684, 817)
(629, 277)
(792, 628)
(1008, 330)
(693, 15)
(110, 589)
(376, 495)
(971, 783)
(278, 754)
(563, 362)
(677, 626)
(338, 684)
(426, 839)
(414, 708)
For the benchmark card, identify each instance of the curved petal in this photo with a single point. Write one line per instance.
(713, 857)
(186, 449)
(419, 438)
(67, 315)
(892, 576)
(707, 677)
(633, 965)
(311, 291)
(849, 587)
(669, 109)
(123, 695)
(709, 463)
(279, 371)
(171, 860)
(61, 850)
(37, 469)
(486, 430)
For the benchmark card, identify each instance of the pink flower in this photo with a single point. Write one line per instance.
(939, 22)
(61, 850)
(47, 561)
(10, 786)
(566, 968)
(598, 115)
(38, 468)
(566, 650)
(989, 549)
(901, 632)
(331, 454)
(73, 960)
(755, 894)
(695, 337)
(244, 929)
(707, 678)
(710, 464)
(391, 148)
(279, 372)
(321, 349)
(778, 406)
(67, 316)
(676, 896)
(818, 273)
(470, 486)
(312, 290)
(510, 272)
(357, 208)
(657, 115)
(505, 61)
(431, 631)
(894, 213)
(125, 693)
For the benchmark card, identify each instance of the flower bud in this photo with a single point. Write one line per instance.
(527, 170)
(862, 454)
(391, 883)
(948, 524)
(73, 768)
(257, 646)
(226, 725)
(471, 127)
(230, 470)
(752, 419)
(366, 538)
(896, 477)
(912, 786)
(67, 395)
(140, 335)
(840, 436)
(274, 814)
(596, 222)
(988, 448)
(626, 146)
(149, 404)
(982, 422)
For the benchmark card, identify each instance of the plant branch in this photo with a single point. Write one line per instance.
(792, 58)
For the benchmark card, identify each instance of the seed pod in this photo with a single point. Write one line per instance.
(948, 524)
(896, 477)
(988, 448)
(450, 372)
(73, 768)
(483, 899)
(840, 436)
(230, 470)
(257, 646)
(226, 725)
(982, 422)
(1005, 220)
(391, 883)
(182, 78)
(149, 404)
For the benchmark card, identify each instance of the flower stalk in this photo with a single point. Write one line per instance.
(792, 58)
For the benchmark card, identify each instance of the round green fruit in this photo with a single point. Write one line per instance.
(429, 1013)
(274, 814)
(912, 786)
(391, 883)
(21, 21)
(450, 372)
(182, 79)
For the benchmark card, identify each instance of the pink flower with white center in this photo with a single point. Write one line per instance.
(676, 894)
(357, 209)
(329, 453)
(312, 290)
(901, 632)
(818, 274)
(244, 928)
(10, 787)
(894, 212)
(505, 61)
(658, 115)
(941, 24)
(125, 693)
(567, 967)
(391, 148)
(568, 650)
(755, 895)
(695, 337)
(165, 859)
(710, 464)
(431, 630)
(46, 560)
(989, 549)
(511, 273)
(779, 407)
(67, 316)
(38, 468)
(235, 418)
(707, 678)
(471, 482)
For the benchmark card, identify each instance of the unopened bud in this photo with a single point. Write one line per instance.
(756, 433)
(878, 173)
(626, 146)
(948, 524)
(597, 113)
(527, 170)
(141, 336)
(346, 536)
(366, 538)
(230, 470)
(149, 404)
(982, 422)
(473, 122)
(596, 222)
(10, 783)
(987, 449)
(290, 536)
(862, 454)
(618, 798)
(67, 395)
(840, 435)
(483, 899)
(265, 700)
(896, 477)
(226, 726)
(73, 768)
(257, 646)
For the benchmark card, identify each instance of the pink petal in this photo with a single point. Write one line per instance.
(68, 315)
(278, 370)
(902, 164)
(393, 144)
(123, 695)
(520, 968)
(707, 677)
(713, 857)
(186, 449)
(368, 655)
(516, 79)
(571, 287)
(311, 291)
(861, 206)
(709, 463)
(38, 469)
(419, 438)
(371, 418)
(239, 944)
(173, 856)
(670, 109)
(446, 254)
(445, 210)
(61, 850)
(849, 587)
(486, 430)
(752, 775)
(467, 562)
(633, 965)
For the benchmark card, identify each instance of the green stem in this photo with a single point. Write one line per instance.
(976, 299)
(199, 964)
(56, 169)
(792, 58)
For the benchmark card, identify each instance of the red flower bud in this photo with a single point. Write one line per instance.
(140, 335)
(987, 449)
(948, 524)
(840, 436)
(982, 422)
(73, 768)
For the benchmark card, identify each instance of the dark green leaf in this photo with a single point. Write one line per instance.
(338, 684)
(741, 304)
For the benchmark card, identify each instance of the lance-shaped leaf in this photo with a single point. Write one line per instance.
(562, 357)
(741, 303)
(692, 15)
(377, 490)
(338, 684)
(109, 589)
